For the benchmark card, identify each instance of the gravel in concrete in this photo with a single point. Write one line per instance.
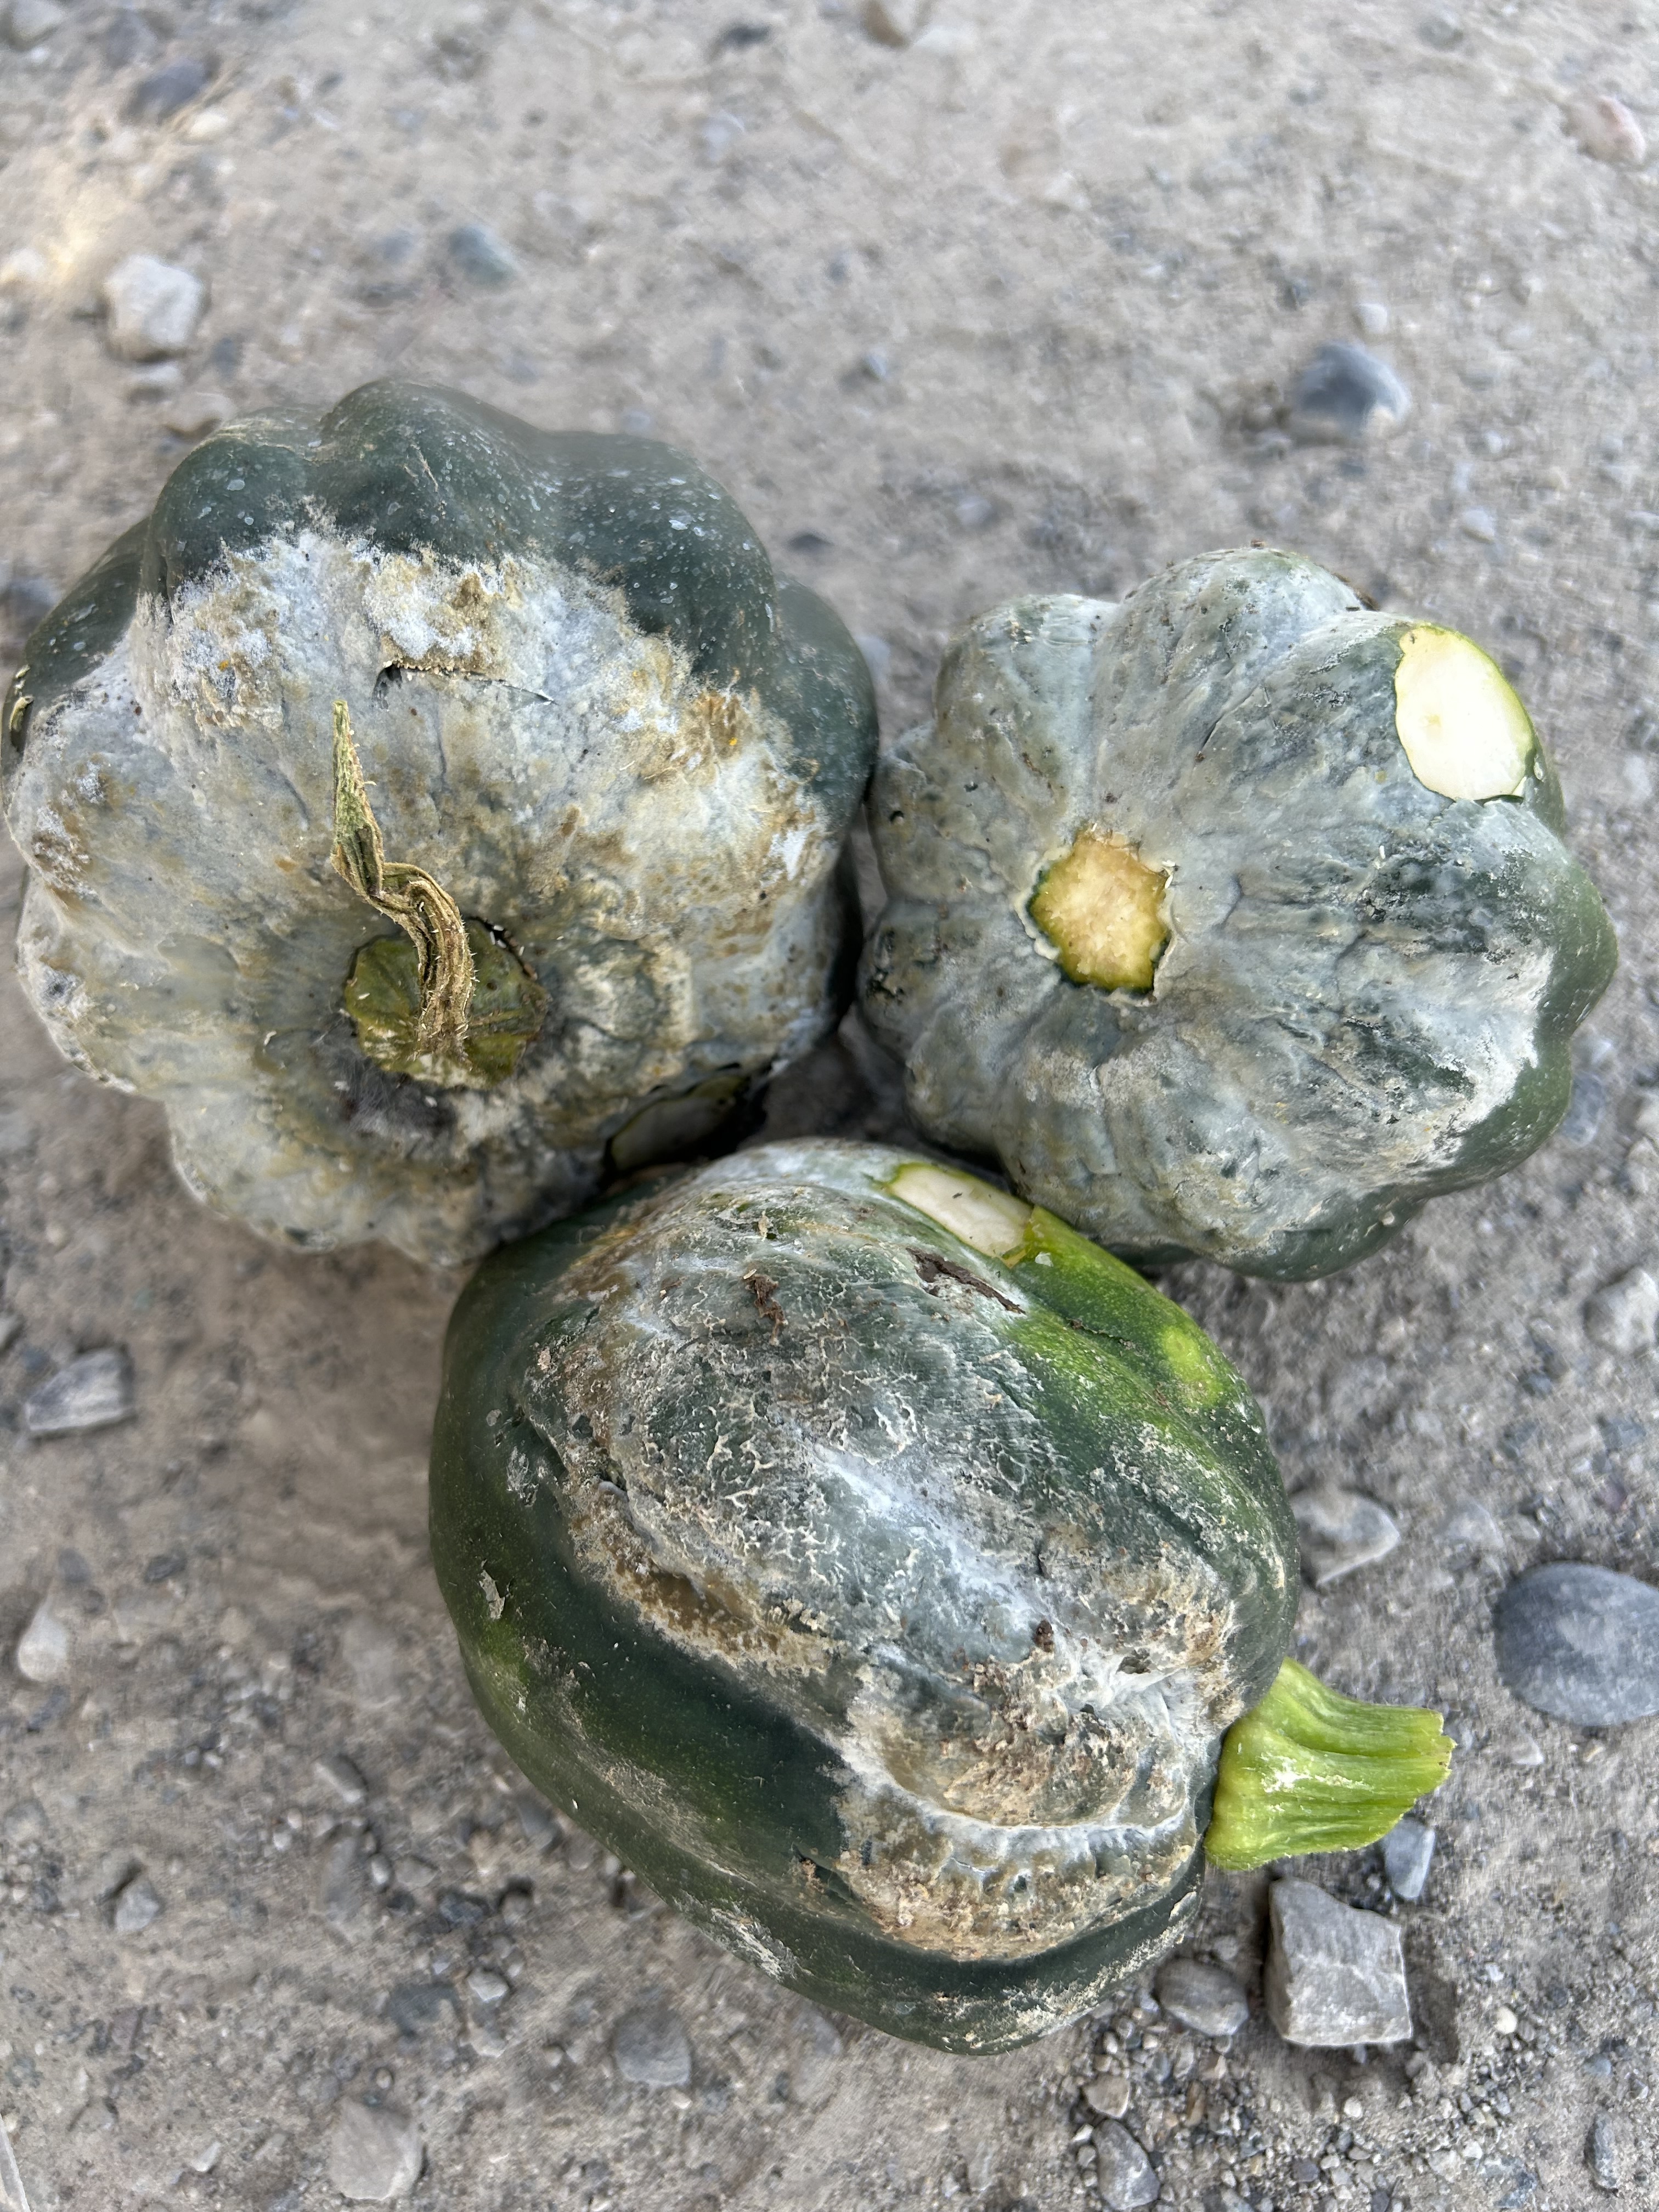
(93, 1392)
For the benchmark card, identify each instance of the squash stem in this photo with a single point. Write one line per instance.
(1309, 1769)
(416, 901)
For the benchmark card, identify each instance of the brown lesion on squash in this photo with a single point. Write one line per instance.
(1031, 1811)
(726, 716)
(764, 1289)
(465, 620)
(924, 1887)
(60, 849)
(710, 1614)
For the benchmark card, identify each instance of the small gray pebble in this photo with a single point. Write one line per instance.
(478, 253)
(1107, 2096)
(1521, 2187)
(43, 1648)
(1441, 30)
(28, 22)
(113, 1873)
(1479, 523)
(1470, 1527)
(1601, 2152)
(90, 1393)
(154, 308)
(1583, 1114)
(541, 1824)
(166, 90)
(894, 22)
(26, 1823)
(1336, 1976)
(373, 2153)
(1346, 394)
(341, 1892)
(136, 1907)
(1204, 1998)
(342, 1777)
(650, 2046)
(487, 1987)
(1124, 2174)
(1604, 128)
(1338, 1531)
(1623, 1316)
(1581, 1642)
(1407, 1855)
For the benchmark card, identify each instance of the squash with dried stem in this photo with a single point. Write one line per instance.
(436, 815)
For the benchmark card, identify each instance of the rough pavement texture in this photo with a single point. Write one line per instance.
(1016, 306)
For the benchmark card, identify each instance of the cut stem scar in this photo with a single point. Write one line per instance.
(1104, 911)
(1309, 1769)
(992, 1221)
(416, 901)
(1462, 728)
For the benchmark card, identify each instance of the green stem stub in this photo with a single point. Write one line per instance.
(1309, 1769)
(449, 1002)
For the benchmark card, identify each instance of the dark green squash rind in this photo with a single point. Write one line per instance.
(66, 648)
(718, 1789)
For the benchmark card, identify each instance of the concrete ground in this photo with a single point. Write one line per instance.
(982, 299)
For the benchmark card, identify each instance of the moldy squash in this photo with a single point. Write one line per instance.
(434, 813)
(876, 1566)
(1234, 919)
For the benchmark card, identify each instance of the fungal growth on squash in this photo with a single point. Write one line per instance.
(434, 814)
(877, 1566)
(1234, 919)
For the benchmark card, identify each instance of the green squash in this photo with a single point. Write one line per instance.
(875, 1566)
(436, 815)
(1234, 919)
